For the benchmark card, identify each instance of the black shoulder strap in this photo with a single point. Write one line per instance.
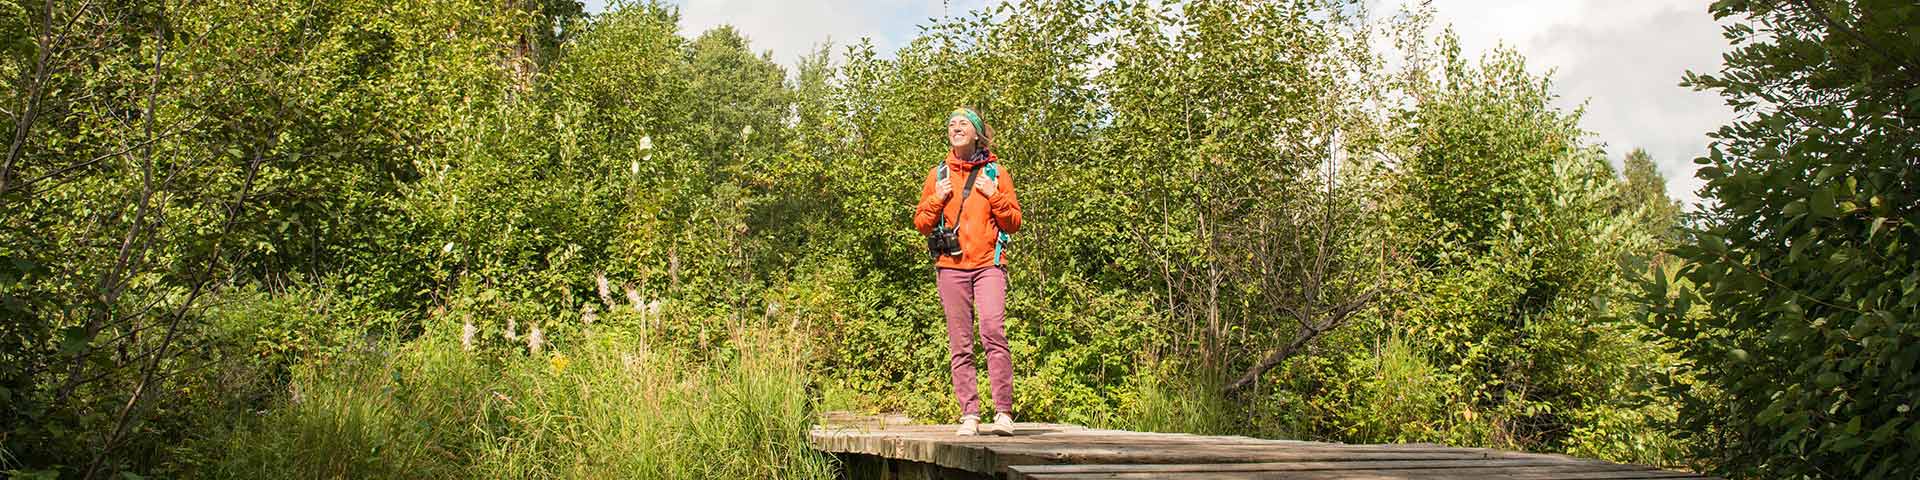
(971, 175)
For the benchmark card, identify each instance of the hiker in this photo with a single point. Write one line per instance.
(967, 208)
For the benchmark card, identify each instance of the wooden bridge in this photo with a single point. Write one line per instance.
(892, 448)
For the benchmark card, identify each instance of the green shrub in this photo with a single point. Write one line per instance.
(1800, 289)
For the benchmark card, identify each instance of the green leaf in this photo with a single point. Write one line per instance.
(1829, 172)
(1845, 443)
(1829, 380)
(74, 339)
(1795, 208)
(1822, 204)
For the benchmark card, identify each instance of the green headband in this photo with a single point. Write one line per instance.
(971, 117)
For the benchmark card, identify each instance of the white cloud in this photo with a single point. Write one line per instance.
(1624, 58)
(791, 29)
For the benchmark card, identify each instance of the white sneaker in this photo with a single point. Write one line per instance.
(1002, 425)
(969, 425)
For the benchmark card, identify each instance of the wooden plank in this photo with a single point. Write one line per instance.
(833, 443)
(1022, 471)
(994, 454)
(1526, 472)
(1389, 475)
(999, 457)
(860, 419)
(1063, 452)
(1099, 436)
(836, 440)
(1133, 434)
(832, 439)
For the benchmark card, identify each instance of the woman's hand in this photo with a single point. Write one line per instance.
(987, 186)
(942, 189)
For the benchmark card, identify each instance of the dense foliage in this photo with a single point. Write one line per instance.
(1798, 301)
(452, 238)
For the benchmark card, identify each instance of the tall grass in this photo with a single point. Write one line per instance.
(1165, 398)
(603, 408)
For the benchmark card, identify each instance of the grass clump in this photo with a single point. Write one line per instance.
(605, 407)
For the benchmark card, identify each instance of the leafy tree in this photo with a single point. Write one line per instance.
(1643, 195)
(167, 154)
(1645, 187)
(1504, 332)
(1804, 263)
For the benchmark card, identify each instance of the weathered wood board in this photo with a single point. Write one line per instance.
(1044, 451)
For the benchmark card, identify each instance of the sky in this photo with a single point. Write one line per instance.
(1622, 59)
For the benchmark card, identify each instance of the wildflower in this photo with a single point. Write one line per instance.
(536, 339)
(467, 332)
(600, 287)
(558, 362)
(633, 296)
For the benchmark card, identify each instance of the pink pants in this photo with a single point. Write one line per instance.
(961, 292)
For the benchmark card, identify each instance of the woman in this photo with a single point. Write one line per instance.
(971, 275)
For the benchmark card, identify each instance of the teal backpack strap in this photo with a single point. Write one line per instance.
(1000, 241)
(999, 247)
(940, 173)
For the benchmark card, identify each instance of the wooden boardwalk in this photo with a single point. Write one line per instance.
(891, 448)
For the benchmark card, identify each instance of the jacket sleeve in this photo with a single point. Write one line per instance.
(928, 210)
(1005, 204)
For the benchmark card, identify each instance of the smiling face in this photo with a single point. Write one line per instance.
(960, 134)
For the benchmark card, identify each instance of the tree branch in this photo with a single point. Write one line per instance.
(1306, 334)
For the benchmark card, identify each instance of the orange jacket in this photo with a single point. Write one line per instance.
(982, 242)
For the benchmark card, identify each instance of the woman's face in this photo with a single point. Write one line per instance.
(960, 132)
